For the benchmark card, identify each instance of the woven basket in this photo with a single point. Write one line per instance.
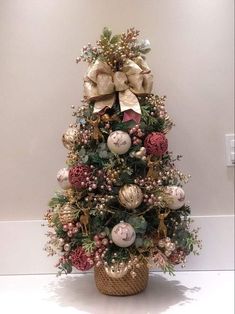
(122, 286)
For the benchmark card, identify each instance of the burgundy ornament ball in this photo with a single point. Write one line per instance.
(79, 176)
(156, 144)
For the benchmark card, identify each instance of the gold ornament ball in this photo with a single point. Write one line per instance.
(70, 137)
(67, 214)
(130, 196)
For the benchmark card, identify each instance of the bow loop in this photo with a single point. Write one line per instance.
(101, 83)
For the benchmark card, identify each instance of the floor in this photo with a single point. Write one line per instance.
(185, 293)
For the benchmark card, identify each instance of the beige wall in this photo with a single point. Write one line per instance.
(191, 59)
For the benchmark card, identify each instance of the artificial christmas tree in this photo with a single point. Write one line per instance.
(121, 208)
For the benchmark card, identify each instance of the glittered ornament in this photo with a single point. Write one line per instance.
(130, 196)
(79, 176)
(70, 137)
(67, 214)
(119, 142)
(80, 259)
(63, 178)
(156, 144)
(176, 197)
(117, 270)
(123, 234)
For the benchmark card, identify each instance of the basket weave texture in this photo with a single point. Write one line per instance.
(122, 286)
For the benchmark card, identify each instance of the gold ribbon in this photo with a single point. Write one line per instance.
(101, 83)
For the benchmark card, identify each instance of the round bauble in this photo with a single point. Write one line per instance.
(119, 142)
(70, 137)
(63, 178)
(67, 214)
(130, 196)
(123, 234)
(176, 197)
(117, 270)
(79, 176)
(156, 144)
(80, 259)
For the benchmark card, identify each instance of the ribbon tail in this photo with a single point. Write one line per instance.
(129, 104)
(128, 100)
(131, 115)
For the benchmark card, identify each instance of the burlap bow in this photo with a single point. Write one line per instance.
(101, 83)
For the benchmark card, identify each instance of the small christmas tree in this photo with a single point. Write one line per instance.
(121, 208)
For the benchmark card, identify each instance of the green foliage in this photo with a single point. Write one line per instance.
(83, 155)
(65, 268)
(151, 218)
(121, 254)
(57, 199)
(139, 241)
(176, 217)
(95, 160)
(125, 178)
(76, 240)
(123, 126)
(168, 268)
(60, 233)
(106, 34)
(107, 38)
(115, 39)
(103, 151)
(139, 224)
(97, 223)
(88, 245)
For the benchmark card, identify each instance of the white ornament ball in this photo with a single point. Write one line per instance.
(123, 234)
(119, 142)
(177, 197)
(63, 178)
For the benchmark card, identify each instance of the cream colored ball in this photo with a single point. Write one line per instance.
(123, 234)
(119, 142)
(63, 178)
(176, 197)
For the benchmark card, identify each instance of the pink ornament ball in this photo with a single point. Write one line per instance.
(79, 176)
(80, 259)
(156, 144)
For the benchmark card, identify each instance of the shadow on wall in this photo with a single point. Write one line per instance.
(80, 293)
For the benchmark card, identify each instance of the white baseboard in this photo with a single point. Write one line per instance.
(22, 243)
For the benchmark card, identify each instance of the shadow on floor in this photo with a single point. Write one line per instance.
(80, 293)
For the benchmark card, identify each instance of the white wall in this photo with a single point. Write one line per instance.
(191, 59)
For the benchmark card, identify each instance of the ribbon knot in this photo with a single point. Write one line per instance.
(101, 85)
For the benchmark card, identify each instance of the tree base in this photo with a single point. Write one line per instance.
(123, 286)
